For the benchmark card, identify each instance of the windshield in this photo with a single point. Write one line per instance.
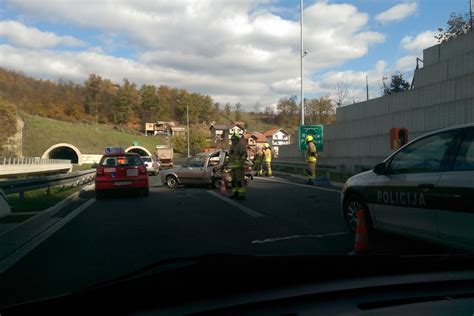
(121, 161)
(259, 128)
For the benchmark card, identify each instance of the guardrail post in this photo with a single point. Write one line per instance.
(48, 191)
(343, 171)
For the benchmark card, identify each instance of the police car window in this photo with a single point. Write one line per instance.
(465, 158)
(422, 156)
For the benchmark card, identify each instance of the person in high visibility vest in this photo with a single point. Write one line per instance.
(311, 158)
(267, 160)
(258, 159)
(236, 163)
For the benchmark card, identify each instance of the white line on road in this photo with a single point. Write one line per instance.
(299, 184)
(239, 206)
(36, 241)
(296, 236)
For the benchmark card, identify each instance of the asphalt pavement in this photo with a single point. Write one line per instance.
(122, 233)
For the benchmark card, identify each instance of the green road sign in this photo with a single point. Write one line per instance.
(135, 143)
(314, 130)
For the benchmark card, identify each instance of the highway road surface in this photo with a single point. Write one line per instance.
(122, 233)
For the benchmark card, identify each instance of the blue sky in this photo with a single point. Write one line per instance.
(236, 51)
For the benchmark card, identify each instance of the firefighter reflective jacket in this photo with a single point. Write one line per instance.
(237, 155)
(311, 154)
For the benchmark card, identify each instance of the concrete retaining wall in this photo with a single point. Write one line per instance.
(443, 96)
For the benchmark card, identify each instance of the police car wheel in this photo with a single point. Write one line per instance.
(351, 206)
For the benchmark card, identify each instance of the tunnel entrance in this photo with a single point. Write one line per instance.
(138, 150)
(64, 153)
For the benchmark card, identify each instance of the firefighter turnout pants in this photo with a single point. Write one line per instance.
(268, 168)
(311, 171)
(238, 181)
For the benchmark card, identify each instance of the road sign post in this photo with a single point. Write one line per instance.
(316, 131)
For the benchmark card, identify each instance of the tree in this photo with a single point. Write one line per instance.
(458, 24)
(341, 92)
(257, 107)
(227, 109)
(127, 102)
(319, 111)
(149, 104)
(397, 84)
(287, 111)
(238, 108)
(198, 140)
(92, 88)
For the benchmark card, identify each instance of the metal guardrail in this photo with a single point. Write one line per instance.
(31, 161)
(299, 166)
(21, 186)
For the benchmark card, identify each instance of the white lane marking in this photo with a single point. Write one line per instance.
(38, 239)
(299, 184)
(239, 206)
(296, 236)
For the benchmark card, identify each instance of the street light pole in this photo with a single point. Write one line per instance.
(187, 115)
(301, 62)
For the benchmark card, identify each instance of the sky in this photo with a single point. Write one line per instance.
(234, 50)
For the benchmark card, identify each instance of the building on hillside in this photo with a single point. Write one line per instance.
(178, 131)
(251, 139)
(236, 128)
(261, 140)
(219, 132)
(162, 128)
(222, 132)
(277, 137)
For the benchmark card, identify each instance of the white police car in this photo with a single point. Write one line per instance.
(425, 189)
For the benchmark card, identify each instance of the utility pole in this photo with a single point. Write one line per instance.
(470, 12)
(301, 61)
(187, 115)
(367, 86)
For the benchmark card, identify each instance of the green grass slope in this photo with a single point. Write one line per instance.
(40, 133)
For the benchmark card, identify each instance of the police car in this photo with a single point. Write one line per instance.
(425, 189)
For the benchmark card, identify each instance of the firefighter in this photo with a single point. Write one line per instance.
(267, 160)
(237, 159)
(258, 158)
(311, 158)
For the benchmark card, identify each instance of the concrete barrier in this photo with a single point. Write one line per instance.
(32, 165)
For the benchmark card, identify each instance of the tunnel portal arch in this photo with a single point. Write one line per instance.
(63, 151)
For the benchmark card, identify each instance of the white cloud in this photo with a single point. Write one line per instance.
(229, 49)
(29, 37)
(397, 12)
(406, 63)
(416, 44)
(357, 82)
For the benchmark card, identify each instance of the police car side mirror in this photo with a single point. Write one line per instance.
(380, 168)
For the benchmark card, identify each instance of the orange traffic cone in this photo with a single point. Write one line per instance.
(361, 238)
(223, 190)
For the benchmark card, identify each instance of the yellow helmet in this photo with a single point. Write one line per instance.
(309, 138)
(235, 136)
(267, 145)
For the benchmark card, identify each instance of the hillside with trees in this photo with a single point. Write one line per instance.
(126, 106)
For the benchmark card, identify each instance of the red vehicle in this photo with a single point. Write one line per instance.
(121, 171)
